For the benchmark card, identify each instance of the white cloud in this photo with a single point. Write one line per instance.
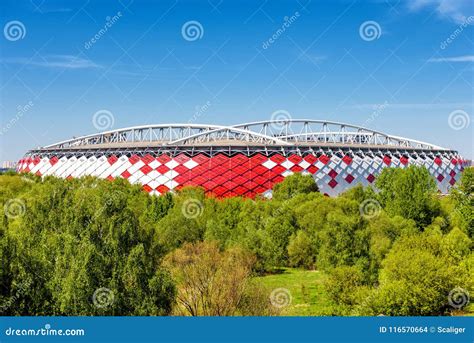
(316, 59)
(53, 10)
(411, 106)
(466, 58)
(55, 61)
(457, 10)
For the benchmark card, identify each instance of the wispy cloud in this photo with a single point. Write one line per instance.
(310, 58)
(53, 10)
(412, 106)
(465, 58)
(457, 10)
(54, 61)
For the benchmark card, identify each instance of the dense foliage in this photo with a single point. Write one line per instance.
(400, 250)
(84, 247)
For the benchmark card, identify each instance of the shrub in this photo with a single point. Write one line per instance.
(345, 287)
(293, 185)
(301, 250)
(418, 274)
(214, 283)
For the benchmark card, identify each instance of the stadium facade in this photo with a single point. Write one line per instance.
(241, 160)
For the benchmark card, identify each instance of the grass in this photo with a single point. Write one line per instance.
(308, 297)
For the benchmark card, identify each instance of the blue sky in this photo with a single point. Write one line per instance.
(405, 74)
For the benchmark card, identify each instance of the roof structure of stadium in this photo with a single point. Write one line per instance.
(242, 160)
(293, 132)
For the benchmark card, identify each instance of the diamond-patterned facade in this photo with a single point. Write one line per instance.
(239, 174)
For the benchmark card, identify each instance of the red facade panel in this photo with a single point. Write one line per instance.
(240, 174)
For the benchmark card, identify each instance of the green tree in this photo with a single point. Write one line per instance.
(418, 275)
(186, 220)
(78, 244)
(293, 185)
(222, 224)
(280, 225)
(343, 241)
(301, 250)
(384, 231)
(463, 198)
(250, 234)
(70, 245)
(409, 193)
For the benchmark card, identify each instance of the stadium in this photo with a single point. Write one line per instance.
(241, 160)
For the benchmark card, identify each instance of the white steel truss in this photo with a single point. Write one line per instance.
(290, 132)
